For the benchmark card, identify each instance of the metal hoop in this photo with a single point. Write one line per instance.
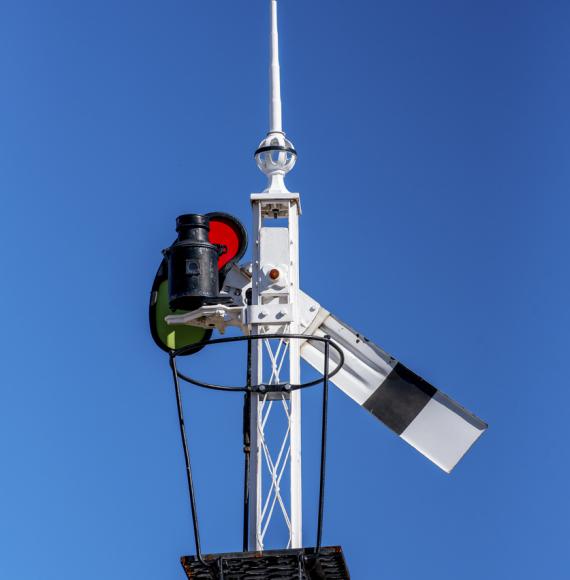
(249, 339)
(248, 389)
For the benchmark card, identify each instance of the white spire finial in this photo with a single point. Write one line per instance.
(275, 155)
(275, 115)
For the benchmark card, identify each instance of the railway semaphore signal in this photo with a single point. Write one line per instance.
(201, 287)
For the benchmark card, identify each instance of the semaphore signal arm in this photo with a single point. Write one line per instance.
(430, 421)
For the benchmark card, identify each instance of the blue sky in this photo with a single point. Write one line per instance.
(433, 141)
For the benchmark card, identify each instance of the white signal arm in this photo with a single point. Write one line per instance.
(430, 421)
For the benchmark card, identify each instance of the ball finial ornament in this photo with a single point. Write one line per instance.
(275, 157)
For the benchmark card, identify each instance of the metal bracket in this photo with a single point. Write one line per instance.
(276, 202)
(273, 313)
(217, 316)
(220, 316)
(275, 388)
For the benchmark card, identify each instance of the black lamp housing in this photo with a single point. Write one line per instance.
(193, 278)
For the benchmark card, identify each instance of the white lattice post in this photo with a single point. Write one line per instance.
(295, 378)
(275, 310)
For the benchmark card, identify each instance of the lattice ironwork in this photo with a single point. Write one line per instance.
(276, 459)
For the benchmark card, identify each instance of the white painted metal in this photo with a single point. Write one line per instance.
(295, 378)
(274, 313)
(365, 364)
(217, 316)
(256, 416)
(275, 310)
(443, 431)
(275, 116)
(277, 163)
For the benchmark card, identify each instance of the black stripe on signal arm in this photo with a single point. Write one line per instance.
(399, 399)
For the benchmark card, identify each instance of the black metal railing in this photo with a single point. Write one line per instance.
(248, 389)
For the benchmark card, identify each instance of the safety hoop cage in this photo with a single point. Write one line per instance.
(248, 389)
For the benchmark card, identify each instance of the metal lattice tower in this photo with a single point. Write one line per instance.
(275, 303)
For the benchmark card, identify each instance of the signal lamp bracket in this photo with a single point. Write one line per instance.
(218, 316)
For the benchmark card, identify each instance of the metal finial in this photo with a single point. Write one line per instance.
(275, 155)
(275, 113)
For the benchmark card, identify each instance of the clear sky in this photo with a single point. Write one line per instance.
(433, 141)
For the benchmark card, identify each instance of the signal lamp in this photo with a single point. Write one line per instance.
(193, 278)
